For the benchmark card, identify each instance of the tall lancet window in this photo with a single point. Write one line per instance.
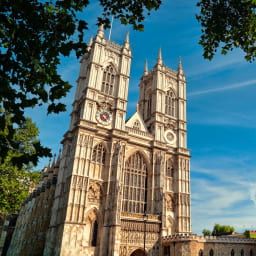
(98, 162)
(170, 103)
(169, 168)
(99, 154)
(108, 80)
(135, 185)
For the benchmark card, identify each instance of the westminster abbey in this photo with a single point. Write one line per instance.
(119, 186)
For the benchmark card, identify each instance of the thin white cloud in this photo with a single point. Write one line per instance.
(224, 192)
(252, 192)
(224, 88)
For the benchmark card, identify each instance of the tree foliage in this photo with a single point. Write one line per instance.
(220, 229)
(206, 232)
(15, 181)
(228, 24)
(33, 36)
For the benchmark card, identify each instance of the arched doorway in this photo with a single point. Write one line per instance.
(138, 252)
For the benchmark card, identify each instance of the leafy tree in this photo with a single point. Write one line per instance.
(15, 181)
(228, 24)
(249, 234)
(33, 36)
(206, 232)
(220, 229)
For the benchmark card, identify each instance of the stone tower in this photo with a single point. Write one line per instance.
(121, 184)
(162, 105)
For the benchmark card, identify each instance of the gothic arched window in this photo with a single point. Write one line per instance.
(169, 168)
(94, 234)
(200, 253)
(136, 125)
(251, 252)
(108, 80)
(170, 103)
(99, 154)
(211, 252)
(242, 252)
(135, 184)
(232, 252)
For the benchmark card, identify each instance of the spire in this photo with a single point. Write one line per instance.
(89, 46)
(126, 41)
(146, 68)
(127, 38)
(100, 32)
(159, 58)
(180, 69)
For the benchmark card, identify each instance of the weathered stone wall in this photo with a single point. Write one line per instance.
(191, 245)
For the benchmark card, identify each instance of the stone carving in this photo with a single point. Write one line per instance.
(169, 124)
(94, 193)
(170, 202)
(170, 225)
(132, 232)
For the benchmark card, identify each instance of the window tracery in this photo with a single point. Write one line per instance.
(170, 103)
(232, 252)
(169, 168)
(135, 185)
(108, 81)
(211, 252)
(136, 125)
(99, 154)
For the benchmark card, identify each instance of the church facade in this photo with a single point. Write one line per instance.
(119, 186)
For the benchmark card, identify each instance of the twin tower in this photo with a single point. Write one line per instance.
(122, 184)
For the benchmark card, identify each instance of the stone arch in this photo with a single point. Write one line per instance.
(104, 144)
(109, 79)
(170, 102)
(110, 63)
(143, 153)
(98, 159)
(136, 184)
(92, 220)
(138, 252)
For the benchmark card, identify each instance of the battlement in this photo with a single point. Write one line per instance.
(114, 45)
(207, 239)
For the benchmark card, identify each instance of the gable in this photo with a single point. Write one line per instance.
(136, 122)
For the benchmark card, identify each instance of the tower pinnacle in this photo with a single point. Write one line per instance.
(146, 68)
(89, 44)
(126, 41)
(159, 58)
(180, 69)
(100, 32)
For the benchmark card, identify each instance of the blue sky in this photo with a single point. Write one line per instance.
(221, 111)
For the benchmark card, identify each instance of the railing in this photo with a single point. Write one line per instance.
(138, 132)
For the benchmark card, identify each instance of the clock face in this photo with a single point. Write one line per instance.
(104, 117)
(170, 137)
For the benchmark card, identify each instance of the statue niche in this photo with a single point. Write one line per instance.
(94, 193)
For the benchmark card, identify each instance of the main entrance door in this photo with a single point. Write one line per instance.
(138, 252)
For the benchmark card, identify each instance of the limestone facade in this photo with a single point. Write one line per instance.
(119, 183)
